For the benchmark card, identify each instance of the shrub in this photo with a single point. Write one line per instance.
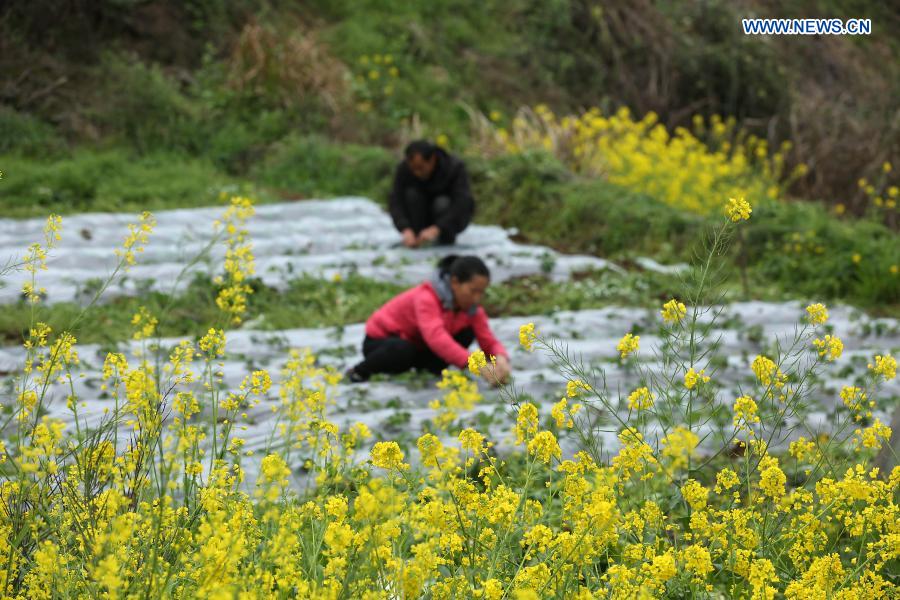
(25, 134)
(144, 106)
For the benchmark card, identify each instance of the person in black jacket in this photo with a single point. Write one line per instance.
(431, 200)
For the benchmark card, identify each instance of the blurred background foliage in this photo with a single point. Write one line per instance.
(133, 104)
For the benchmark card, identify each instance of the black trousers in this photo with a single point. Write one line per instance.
(424, 212)
(396, 355)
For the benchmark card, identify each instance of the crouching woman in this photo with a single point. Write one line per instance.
(433, 324)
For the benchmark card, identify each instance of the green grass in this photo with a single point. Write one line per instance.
(532, 192)
(313, 167)
(119, 179)
(107, 180)
(306, 302)
(26, 134)
(311, 302)
(535, 294)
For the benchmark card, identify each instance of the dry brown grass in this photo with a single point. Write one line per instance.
(290, 66)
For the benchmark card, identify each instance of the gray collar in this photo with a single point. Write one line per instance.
(441, 286)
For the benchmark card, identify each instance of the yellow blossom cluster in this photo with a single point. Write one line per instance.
(477, 361)
(884, 367)
(466, 526)
(36, 259)
(641, 399)
(673, 311)
(144, 324)
(830, 347)
(563, 414)
(628, 344)
(687, 169)
(240, 263)
(771, 377)
(692, 378)
(460, 394)
(857, 401)
(738, 209)
(817, 314)
(375, 81)
(527, 336)
(745, 412)
(882, 194)
(136, 240)
(680, 445)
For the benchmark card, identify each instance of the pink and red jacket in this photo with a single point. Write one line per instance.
(426, 318)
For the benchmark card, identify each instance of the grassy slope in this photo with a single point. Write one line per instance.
(311, 302)
(792, 249)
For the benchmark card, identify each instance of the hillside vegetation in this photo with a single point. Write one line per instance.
(609, 129)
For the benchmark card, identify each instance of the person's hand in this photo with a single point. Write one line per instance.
(497, 372)
(409, 238)
(429, 234)
(502, 368)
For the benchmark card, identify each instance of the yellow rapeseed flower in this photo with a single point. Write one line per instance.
(767, 372)
(801, 448)
(641, 399)
(745, 412)
(885, 366)
(692, 378)
(725, 480)
(274, 469)
(260, 382)
(628, 344)
(817, 314)
(771, 477)
(673, 311)
(694, 494)
(387, 455)
(526, 422)
(477, 361)
(138, 234)
(471, 441)
(51, 230)
(574, 387)
(680, 445)
(527, 336)
(830, 348)
(144, 322)
(429, 446)
(856, 399)
(544, 447)
(213, 343)
(738, 209)
(562, 413)
(872, 437)
(697, 560)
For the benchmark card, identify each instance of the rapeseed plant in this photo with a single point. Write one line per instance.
(692, 170)
(157, 499)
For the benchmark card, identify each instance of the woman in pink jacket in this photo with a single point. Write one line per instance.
(432, 325)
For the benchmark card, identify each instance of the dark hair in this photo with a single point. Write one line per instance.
(463, 268)
(423, 148)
